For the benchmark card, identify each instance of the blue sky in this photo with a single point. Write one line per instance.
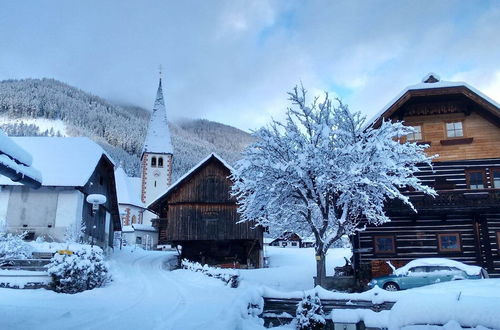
(234, 61)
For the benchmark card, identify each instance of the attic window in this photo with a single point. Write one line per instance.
(454, 129)
(153, 162)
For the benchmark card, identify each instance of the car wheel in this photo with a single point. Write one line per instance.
(391, 286)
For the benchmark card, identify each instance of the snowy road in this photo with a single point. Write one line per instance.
(143, 295)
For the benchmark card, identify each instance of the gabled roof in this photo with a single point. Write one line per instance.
(188, 174)
(16, 163)
(63, 161)
(128, 189)
(158, 135)
(432, 85)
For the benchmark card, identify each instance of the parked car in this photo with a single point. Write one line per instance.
(426, 271)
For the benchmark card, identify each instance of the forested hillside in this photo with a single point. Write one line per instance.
(31, 107)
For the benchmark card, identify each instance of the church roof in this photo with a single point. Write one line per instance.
(158, 135)
(62, 161)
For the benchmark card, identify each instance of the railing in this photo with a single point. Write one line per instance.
(456, 200)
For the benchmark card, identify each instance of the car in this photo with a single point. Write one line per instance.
(426, 271)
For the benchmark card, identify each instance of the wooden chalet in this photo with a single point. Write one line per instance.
(199, 214)
(462, 126)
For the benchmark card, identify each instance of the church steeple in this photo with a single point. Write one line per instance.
(156, 158)
(158, 135)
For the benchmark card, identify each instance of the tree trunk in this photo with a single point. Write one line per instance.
(320, 268)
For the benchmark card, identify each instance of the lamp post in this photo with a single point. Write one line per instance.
(96, 200)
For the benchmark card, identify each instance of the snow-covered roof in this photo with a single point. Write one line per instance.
(143, 227)
(16, 163)
(128, 188)
(470, 270)
(191, 171)
(432, 81)
(158, 135)
(62, 161)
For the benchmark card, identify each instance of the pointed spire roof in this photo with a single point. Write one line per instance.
(158, 135)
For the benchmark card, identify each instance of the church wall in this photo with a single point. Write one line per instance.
(155, 179)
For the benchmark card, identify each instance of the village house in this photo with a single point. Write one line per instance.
(287, 240)
(462, 126)
(72, 169)
(198, 214)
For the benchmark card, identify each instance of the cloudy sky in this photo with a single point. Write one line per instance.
(233, 61)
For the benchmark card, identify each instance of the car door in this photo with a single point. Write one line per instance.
(416, 276)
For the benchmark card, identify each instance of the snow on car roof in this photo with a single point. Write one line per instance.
(63, 161)
(470, 270)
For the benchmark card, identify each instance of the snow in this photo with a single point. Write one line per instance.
(470, 270)
(188, 173)
(145, 294)
(44, 124)
(96, 199)
(423, 85)
(158, 136)
(63, 161)
(128, 188)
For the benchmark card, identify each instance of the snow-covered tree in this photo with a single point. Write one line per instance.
(12, 246)
(75, 232)
(323, 173)
(310, 315)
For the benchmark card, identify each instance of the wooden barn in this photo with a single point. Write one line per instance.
(462, 126)
(198, 213)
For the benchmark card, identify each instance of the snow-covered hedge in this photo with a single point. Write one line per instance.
(310, 315)
(82, 270)
(229, 276)
(14, 247)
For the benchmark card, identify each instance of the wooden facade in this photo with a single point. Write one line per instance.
(463, 221)
(198, 213)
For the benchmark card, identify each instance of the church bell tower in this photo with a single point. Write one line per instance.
(156, 158)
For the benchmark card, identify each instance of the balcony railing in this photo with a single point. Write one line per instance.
(456, 200)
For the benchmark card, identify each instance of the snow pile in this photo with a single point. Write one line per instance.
(470, 270)
(14, 247)
(229, 276)
(439, 309)
(310, 315)
(83, 269)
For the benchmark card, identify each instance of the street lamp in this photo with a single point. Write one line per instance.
(96, 200)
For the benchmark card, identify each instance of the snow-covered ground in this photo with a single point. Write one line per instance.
(145, 294)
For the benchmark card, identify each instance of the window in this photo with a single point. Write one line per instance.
(134, 219)
(294, 243)
(283, 244)
(419, 269)
(126, 221)
(495, 178)
(153, 162)
(449, 242)
(160, 161)
(138, 240)
(417, 135)
(475, 179)
(454, 129)
(101, 180)
(384, 244)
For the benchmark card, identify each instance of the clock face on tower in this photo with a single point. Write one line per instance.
(156, 173)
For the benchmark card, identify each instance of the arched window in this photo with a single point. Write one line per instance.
(134, 219)
(126, 221)
(160, 161)
(153, 162)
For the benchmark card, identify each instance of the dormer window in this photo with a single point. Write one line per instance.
(160, 161)
(416, 135)
(454, 129)
(153, 162)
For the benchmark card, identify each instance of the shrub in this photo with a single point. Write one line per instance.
(228, 276)
(13, 247)
(310, 315)
(85, 269)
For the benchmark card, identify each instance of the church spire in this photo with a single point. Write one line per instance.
(158, 135)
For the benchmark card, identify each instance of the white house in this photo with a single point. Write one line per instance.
(72, 169)
(132, 209)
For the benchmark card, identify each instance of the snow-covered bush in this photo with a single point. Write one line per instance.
(228, 276)
(82, 270)
(14, 247)
(310, 315)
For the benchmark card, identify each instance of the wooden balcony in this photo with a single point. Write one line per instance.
(463, 200)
